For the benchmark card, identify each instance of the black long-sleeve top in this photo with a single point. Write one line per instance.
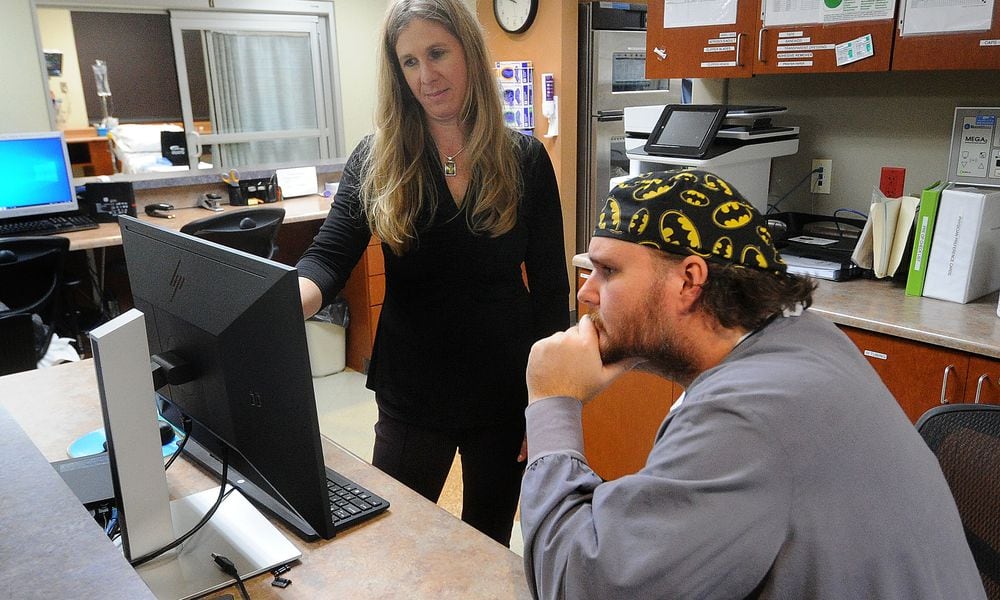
(457, 321)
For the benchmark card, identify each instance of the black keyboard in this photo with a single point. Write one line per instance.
(350, 503)
(47, 225)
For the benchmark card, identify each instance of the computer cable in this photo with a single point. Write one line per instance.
(229, 568)
(112, 524)
(847, 210)
(208, 515)
(188, 425)
(850, 210)
(773, 208)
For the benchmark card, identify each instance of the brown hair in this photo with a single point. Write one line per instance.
(737, 296)
(396, 189)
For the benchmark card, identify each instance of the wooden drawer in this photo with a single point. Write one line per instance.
(916, 374)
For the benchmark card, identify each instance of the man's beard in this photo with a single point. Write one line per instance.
(645, 335)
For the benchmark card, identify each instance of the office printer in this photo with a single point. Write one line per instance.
(736, 143)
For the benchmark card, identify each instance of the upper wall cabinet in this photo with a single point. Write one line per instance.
(739, 38)
(947, 35)
(713, 39)
(848, 47)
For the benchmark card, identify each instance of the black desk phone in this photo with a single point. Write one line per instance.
(105, 201)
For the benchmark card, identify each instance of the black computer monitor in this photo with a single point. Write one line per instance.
(39, 178)
(235, 320)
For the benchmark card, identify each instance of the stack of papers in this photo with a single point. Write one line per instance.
(813, 267)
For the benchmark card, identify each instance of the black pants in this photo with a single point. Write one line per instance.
(420, 458)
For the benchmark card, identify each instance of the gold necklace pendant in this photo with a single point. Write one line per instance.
(450, 168)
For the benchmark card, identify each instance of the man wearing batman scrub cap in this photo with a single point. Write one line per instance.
(785, 470)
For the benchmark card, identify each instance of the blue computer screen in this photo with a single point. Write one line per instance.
(39, 180)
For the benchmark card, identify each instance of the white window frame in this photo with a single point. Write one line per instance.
(225, 21)
(328, 84)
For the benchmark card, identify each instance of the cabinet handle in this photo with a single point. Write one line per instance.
(760, 45)
(944, 383)
(979, 385)
(739, 39)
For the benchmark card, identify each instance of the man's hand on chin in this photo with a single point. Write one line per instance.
(569, 364)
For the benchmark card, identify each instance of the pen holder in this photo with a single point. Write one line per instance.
(236, 197)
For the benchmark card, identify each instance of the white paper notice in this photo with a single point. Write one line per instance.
(854, 50)
(299, 181)
(941, 16)
(695, 13)
(790, 12)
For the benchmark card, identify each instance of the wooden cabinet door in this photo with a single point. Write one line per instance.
(620, 423)
(916, 374)
(713, 51)
(949, 51)
(984, 380)
(810, 48)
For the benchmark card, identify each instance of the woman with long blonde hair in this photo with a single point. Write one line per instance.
(460, 202)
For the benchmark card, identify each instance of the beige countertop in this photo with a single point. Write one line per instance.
(414, 550)
(305, 208)
(882, 307)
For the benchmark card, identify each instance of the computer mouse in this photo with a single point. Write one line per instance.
(160, 210)
(7, 257)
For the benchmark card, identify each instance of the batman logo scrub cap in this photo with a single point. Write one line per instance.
(689, 212)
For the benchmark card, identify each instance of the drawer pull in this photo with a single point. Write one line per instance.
(944, 383)
(979, 385)
(760, 45)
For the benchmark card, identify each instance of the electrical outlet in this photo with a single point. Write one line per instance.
(891, 181)
(64, 87)
(821, 180)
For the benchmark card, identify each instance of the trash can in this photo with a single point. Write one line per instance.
(326, 338)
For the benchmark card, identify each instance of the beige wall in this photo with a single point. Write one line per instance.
(24, 104)
(56, 30)
(551, 45)
(863, 121)
(357, 23)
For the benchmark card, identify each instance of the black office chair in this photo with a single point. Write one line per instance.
(31, 281)
(254, 230)
(966, 440)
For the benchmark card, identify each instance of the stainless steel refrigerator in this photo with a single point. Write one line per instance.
(612, 76)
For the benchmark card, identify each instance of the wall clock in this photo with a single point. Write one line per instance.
(515, 16)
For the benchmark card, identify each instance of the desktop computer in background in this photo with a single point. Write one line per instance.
(41, 199)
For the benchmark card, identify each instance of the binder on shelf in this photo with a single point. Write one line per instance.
(926, 217)
(965, 249)
(885, 239)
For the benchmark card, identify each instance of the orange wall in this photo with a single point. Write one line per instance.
(551, 46)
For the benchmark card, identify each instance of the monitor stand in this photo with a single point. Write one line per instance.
(237, 530)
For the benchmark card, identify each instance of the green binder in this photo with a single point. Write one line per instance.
(929, 199)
